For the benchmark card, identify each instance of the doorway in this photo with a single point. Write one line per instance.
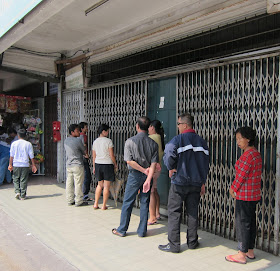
(162, 106)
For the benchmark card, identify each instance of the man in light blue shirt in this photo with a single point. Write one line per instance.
(20, 153)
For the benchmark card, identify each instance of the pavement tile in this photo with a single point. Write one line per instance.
(83, 236)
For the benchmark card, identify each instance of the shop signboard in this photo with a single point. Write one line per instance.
(53, 88)
(74, 77)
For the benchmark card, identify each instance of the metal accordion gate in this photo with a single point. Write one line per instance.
(223, 98)
(72, 112)
(117, 105)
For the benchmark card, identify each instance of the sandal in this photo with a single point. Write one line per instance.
(152, 223)
(95, 208)
(115, 232)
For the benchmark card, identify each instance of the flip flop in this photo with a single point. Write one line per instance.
(229, 258)
(152, 223)
(115, 232)
(88, 199)
(95, 208)
(251, 258)
(104, 208)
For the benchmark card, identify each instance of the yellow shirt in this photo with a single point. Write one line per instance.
(157, 139)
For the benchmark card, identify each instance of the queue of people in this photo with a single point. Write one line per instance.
(186, 157)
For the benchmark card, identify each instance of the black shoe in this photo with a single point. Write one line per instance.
(72, 203)
(167, 248)
(194, 246)
(82, 204)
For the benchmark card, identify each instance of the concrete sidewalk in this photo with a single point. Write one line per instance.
(83, 235)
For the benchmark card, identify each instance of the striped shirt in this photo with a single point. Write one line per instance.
(247, 183)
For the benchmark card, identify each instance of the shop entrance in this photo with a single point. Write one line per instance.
(50, 146)
(162, 106)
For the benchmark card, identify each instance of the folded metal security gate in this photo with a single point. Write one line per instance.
(72, 112)
(223, 98)
(117, 105)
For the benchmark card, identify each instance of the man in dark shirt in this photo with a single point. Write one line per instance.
(87, 181)
(141, 155)
(186, 157)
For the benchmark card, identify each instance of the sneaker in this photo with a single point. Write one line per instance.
(82, 204)
(17, 195)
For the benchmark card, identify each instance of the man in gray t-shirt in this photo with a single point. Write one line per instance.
(75, 151)
(141, 156)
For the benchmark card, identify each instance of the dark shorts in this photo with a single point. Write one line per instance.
(104, 172)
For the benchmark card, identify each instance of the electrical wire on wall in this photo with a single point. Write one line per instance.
(47, 54)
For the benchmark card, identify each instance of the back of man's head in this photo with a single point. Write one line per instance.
(144, 123)
(72, 128)
(187, 118)
(22, 133)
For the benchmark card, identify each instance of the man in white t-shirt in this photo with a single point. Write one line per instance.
(20, 153)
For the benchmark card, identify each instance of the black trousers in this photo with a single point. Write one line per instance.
(245, 224)
(177, 195)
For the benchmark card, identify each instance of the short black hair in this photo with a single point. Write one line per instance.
(187, 118)
(2, 130)
(102, 127)
(144, 123)
(249, 133)
(22, 133)
(83, 124)
(72, 128)
(11, 131)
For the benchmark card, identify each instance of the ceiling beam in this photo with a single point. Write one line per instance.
(29, 74)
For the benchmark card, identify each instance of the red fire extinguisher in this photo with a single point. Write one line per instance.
(56, 131)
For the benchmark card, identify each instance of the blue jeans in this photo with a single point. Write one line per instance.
(135, 182)
(87, 180)
(4, 172)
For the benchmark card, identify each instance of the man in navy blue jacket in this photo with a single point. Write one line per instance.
(186, 157)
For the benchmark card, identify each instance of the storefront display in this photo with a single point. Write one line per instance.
(16, 112)
(32, 124)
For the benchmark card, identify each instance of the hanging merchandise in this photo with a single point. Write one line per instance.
(34, 133)
(2, 101)
(11, 104)
(24, 104)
